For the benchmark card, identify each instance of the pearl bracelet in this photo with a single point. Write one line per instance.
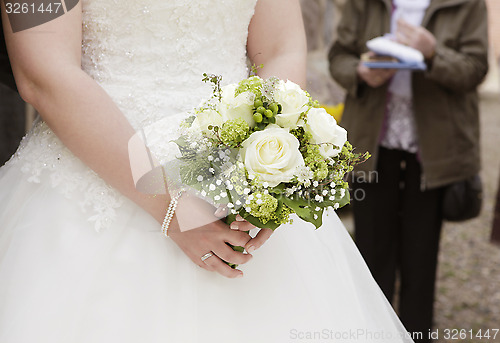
(170, 213)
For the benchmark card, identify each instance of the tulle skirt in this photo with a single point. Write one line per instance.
(63, 282)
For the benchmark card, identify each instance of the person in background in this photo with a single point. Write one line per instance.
(422, 129)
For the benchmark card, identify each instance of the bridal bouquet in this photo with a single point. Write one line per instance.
(265, 150)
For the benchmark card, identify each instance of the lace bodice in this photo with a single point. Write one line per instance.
(149, 55)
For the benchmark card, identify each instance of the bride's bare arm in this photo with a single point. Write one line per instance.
(277, 40)
(46, 61)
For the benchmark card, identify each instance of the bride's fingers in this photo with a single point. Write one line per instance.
(222, 268)
(205, 266)
(241, 226)
(256, 242)
(237, 238)
(226, 253)
(221, 211)
(197, 260)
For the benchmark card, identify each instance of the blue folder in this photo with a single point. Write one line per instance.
(396, 65)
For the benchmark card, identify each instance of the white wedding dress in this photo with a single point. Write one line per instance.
(79, 263)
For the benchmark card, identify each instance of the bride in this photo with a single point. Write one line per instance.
(82, 257)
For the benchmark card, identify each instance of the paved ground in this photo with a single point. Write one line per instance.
(468, 287)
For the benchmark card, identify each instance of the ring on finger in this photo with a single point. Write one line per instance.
(207, 256)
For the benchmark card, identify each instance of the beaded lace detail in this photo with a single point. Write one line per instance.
(149, 55)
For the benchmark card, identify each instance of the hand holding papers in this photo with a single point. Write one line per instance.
(390, 54)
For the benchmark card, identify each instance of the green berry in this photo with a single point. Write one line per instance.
(261, 110)
(274, 107)
(258, 103)
(268, 113)
(257, 117)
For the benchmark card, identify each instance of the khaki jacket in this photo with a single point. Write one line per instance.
(445, 96)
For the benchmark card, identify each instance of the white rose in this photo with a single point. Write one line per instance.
(233, 107)
(324, 129)
(273, 155)
(205, 119)
(293, 102)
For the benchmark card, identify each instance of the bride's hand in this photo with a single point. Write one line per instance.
(242, 225)
(198, 231)
(255, 243)
(213, 238)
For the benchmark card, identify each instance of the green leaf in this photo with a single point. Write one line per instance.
(237, 248)
(257, 222)
(345, 200)
(341, 201)
(181, 141)
(302, 208)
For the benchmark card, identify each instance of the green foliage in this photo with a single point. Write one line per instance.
(255, 68)
(252, 84)
(315, 161)
(263, 206)
(215, 80)
(305, 209)
(234, 132)
(302, 136)
(318, 185)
